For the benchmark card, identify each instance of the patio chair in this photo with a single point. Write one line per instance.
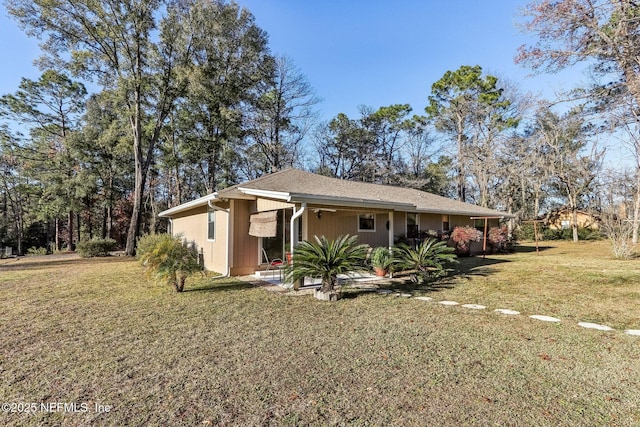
(276, 262)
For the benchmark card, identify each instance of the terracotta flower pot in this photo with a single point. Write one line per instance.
(380, 272)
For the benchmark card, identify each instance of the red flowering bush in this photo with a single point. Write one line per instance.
(463, 236)
(498, 239)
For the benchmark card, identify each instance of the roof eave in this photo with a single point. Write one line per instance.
(349, 202)
(189, 205)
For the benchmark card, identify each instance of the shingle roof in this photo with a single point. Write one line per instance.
(302, 186)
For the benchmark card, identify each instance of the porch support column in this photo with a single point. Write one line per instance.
(390, 229)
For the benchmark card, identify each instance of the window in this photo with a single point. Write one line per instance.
(412, 225)
(366, 222)
(211, 224)
(565, 224)
(445, 222)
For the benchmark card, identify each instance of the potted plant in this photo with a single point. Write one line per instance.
(289, 256)
(326, 259)
(381, 261)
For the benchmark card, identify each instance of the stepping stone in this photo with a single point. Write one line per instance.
(506, 311)
(406, 295)
(449, 303)
(632, 332)
(424, 298)
(385, 291)
(595, 326)
(544, 318)
(474, 306)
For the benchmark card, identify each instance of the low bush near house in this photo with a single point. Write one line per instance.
(95, 247)
(498, 240)
(462, 238)
(168, 259)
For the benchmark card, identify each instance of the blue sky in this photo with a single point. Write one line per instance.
(379, 53)
(358, 52)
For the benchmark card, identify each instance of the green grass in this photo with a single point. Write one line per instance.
(228, 353)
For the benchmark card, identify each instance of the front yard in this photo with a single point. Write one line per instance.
(96, 336)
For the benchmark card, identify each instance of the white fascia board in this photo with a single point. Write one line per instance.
(349, 202)
(279, 195)
(189, 205)
(502, 215)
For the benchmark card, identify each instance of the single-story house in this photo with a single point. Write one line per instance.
(561, 219)
(238, 229)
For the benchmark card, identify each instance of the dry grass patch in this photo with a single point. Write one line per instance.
(227, 353)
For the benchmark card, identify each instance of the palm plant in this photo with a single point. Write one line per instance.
(326, 259)
(168, 259)
(382, 260)
(428, 260)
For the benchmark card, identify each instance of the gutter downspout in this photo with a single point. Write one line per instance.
(294, 236)
(292, 229)
(228, 212)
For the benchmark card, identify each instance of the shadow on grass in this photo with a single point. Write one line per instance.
(49, 261)
(218, 285)
(531, 247)
(466, 268)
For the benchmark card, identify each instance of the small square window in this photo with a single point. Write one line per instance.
(366, 222)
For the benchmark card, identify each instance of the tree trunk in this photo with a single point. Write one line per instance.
(574, 223)
(636, 212)
(57, 238)
(70, 246)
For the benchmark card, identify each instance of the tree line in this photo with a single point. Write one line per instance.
(186, 98)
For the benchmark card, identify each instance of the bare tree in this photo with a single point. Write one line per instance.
(283, 117)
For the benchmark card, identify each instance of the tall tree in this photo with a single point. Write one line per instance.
(604, 32)
(574, 166)
(230, 64)
(467, 107)
(50, 108)
(112, 42)
(102, 147)
(282, 118)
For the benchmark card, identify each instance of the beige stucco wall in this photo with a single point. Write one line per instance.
(192, 225)
(334, 224)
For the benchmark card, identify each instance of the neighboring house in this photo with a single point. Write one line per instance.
(233, 228)
(562, 218)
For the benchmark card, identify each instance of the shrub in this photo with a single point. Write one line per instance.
(36, 251)
(326, 259)
(619, 232)
(462, 238)
(95, 247)
(567, 234)
(168, 259)
(427, 261)
(526, 231)
(498, 239)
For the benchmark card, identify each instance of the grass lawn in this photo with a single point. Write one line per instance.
(95, 332)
